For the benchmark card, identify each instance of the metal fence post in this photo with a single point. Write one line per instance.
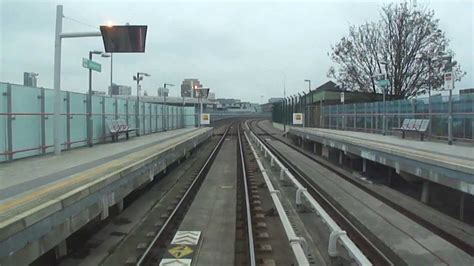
(450, 118)
(321, 119)
(377, 114)
(355, 117)
(156, 117)
(116, 108)
(10, 118)
(329, 116)
(126, 112)
(103, 119)
(151, 118)
(68, 119)
(42, 121)
(399, 113)
(365, 117)
(144, 117)
(429, 112)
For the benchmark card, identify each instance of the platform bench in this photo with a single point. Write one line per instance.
(118, 127)
(414, 125)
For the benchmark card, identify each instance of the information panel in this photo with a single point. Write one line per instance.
(297, 118)
(205, 119)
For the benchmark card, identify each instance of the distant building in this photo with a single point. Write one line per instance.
(466, 91)
(230, 104)
(163, 92)
(267, 107)
(98, 93)
(116, 89)
(30, 79)
(211, 96)
(187, 87)
(275, 99)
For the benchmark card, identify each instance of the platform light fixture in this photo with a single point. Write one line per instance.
(138, 78)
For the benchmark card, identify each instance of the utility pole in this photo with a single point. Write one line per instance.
(138, 78)
(285, 104)
(59, 35)
(89, 107)
(165, 117)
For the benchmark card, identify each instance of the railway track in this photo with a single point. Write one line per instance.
(377, 256)
(429, 224)
(255, 239)
(244, 213)
(367, 246)
(153, 252)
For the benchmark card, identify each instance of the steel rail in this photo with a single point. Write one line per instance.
(251, 245)
(200, 175)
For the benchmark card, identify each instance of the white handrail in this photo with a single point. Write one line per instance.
(346, 242)
(295, 242)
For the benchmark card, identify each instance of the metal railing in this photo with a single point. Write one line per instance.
(26, 124)
(296, 242)
(369, 116)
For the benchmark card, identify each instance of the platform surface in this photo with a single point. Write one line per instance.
(457, 155)
(21, 175)
(29, 182)
(449, 165)
(213, 211)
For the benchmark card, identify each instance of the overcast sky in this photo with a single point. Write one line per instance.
(240, 49)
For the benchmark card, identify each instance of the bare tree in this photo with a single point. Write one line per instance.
(406, 41)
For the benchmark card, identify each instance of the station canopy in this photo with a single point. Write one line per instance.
(124, 38)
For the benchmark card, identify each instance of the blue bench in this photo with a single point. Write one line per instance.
(118, 127)
(414, 125)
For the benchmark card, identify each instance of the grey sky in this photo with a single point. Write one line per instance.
(238, 49)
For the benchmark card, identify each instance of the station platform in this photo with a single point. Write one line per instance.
(403, 240)
(449, 165)
(45, 199)
(212, 215)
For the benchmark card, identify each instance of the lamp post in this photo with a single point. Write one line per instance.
(138, 78)
(447, 60)
(89, 100)
(285, 107)
(384, 88)
(309, 84)
(165, 116)
(59, 36)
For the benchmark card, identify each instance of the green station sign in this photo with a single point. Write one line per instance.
(383, 83)
(86, 63)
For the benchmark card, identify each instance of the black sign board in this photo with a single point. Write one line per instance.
(124, 39)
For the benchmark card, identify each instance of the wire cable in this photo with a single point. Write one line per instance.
(80, 22)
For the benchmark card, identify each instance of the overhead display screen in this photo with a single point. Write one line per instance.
(124, 39)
